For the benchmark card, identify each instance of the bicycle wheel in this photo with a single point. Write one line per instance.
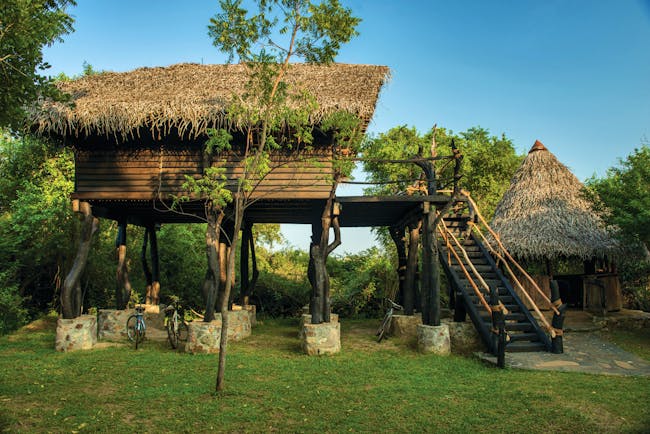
(383, 329)
(130, 327)
(172, 331)
(139, 335)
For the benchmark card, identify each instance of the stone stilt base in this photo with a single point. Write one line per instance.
(76, 334)
(111, 324)
(463, 337)
(205, 337)
(306, 319)
(405, 326)
(252, 312)
(324, 338)
(434, 339)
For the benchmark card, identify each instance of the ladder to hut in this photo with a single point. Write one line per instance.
(476, 266)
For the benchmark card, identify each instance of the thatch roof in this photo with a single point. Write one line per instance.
(192, 97)
(543, 215)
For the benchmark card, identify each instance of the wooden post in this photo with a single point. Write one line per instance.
(316, 303)
(212, 281)
(155, 267)
(498, 327)
(411, 267)
(430, 270)
(319, 251)
(71, 291)
(247, 245)
(224, 252)
(397, 234)
(557, 345)
(145, 265)
(123, 290)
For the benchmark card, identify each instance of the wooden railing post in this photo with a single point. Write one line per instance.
(498, 327)
(557, 345)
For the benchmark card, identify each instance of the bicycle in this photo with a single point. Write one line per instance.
(135, 326)
(385, 324)
(175, 324)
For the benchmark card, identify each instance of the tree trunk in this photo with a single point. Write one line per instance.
(211, 283)
(246, 235)
(225, 317)
(123, 291)
(70, 306)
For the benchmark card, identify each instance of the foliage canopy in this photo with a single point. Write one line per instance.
(26, 26)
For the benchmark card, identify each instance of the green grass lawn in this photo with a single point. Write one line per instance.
(271, 386)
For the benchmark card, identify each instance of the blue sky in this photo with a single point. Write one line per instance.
(574, 74)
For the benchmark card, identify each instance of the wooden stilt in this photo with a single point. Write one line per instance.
(123, 290)
(155, 267)
(246, 234)
(397, 234)
(411, 268)
(71, 303)
(430, 270)
(145, 265)
(211, 282)
(319, 251)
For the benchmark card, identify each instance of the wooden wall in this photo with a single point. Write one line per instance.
(143, 174)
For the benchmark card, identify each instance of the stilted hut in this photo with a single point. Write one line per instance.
(543, 217)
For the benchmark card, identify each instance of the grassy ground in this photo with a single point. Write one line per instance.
(271, 386)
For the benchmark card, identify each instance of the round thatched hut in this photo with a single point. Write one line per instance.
(544, 217)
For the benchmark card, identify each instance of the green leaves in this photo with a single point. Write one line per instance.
(25, 28)
(623, 195)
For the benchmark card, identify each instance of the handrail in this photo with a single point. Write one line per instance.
(478, 292)
(547, 326)
(507, 254)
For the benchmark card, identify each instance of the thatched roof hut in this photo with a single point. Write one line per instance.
(190, 98)
(543, 214)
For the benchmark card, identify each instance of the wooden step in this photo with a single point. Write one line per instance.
(521, 337)
(520, 326)
(525, 347)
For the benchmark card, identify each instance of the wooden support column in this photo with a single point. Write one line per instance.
(430, 269)
(318, 252)
(557, 345)
(145, 264)
(397, 234)
(155, 267)
(212, 280)
(498, 327)
(412, 268)
(316, 303)
(123, 289)
(225, 244)
(246, 232)
(247, 248)
(71, 303)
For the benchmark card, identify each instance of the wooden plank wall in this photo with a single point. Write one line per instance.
(145, 174)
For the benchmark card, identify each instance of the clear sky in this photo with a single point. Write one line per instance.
(574, 74)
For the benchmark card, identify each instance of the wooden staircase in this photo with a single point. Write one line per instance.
(523, 331)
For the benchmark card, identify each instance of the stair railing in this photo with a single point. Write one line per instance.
(446, 235)
(502, 254)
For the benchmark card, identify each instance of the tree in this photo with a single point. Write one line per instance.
(270, 113)
(26, 26)
(623, 196)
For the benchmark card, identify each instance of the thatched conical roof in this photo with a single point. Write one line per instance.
(543, 215)
(192, 97)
